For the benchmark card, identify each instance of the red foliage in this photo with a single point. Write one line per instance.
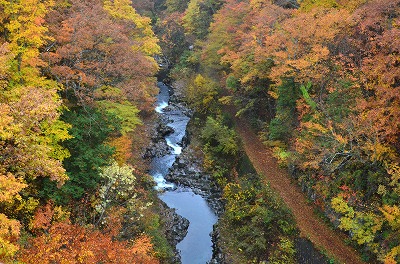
(64, 242)
(92, 49)
(376, 36)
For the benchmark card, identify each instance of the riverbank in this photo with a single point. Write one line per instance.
(188, 170)
(168, 141)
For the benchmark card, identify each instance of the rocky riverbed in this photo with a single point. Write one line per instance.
(186, 171)
(181, 175)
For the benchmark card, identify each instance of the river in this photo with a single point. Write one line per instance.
(196, 247)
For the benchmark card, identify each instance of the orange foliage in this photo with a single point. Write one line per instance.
(348, 117)
(123, 148)
(95, 47)
(300, 44)
(377, 37)
(64, 242)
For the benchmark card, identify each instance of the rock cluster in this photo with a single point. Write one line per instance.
(158, 146)
(176, 228)
(186, 172)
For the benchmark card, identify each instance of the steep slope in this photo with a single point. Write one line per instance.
(310, 225)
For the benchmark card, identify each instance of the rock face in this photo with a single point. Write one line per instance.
(218, 256)
(158, 146)
(176, 228)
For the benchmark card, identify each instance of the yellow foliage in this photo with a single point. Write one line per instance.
(201, 93)
(393, 169)
(27, 206)
(226, 100)
(26, 35)
(257, 4)
(281, 154)
(6, 119)
(340, 138)
(362, 225)
(192, 10)
(9, 187)
(339, 205)
(147, 41)
(9, 233)
(307, 5)
(392, 215)
(315, 128)
(379, 151)
(351, 5)
(390, 258)
(5, 56)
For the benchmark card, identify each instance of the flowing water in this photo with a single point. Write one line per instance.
(196, 247)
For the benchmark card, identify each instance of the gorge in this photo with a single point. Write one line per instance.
(196, 247)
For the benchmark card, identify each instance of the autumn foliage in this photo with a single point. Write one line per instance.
(59, 241)
(320, 81)
(100, 44)
(66, 69)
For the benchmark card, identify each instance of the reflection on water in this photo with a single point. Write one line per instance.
(196, 248)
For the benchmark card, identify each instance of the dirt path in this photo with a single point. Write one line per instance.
(310, 225)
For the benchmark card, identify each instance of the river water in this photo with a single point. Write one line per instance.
(196, 247)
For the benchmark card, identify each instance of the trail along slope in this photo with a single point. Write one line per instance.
(310, 225)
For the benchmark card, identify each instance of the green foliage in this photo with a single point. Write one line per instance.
(232, 82)
(340, 127)
(219, 138)
(284, 253)
(281, 127)
(37, 146)
(197, 18)
(153, 227)
(125, 111)
(176, 5)
(339, 106)
(89, 153)
(187, 64)
(114, 102)
(221, 147)
(254, 220)
(304, 90)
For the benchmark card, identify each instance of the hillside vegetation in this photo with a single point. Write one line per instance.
(320, 82)
(76, 82)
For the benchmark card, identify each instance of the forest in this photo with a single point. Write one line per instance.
(317, 80)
